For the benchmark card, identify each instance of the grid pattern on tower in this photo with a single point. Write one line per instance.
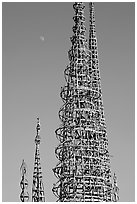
(83, 169)
(37, 186)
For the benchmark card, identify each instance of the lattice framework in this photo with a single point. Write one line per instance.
(24, 196)
(84, 163)
(37, 186)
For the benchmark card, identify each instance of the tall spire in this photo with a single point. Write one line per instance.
(92, 30)
(24, 196)
(69, 169)
(96, 86)
(37, 186)
(94, 64)
(83, 170)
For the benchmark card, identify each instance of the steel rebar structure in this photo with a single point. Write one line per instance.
(96, 82)
(37, 186)
(24, 196)
(83, 169)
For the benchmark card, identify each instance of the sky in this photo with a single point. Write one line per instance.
(35, 42)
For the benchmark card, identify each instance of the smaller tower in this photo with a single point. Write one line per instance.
(37, 186)
(115, 189)
(24, 196)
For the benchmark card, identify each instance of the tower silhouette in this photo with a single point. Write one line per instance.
(24, 196)
(37, 186)
(83, 170)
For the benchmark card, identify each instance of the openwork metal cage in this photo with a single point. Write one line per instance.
(37, 184)
(83, 170)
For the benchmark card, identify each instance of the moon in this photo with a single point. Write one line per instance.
(42, 38)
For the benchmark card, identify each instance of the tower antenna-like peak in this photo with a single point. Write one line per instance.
(37, 186)
(38, 125)
(37, 138)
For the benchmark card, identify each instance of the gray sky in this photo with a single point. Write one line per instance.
(35, 45)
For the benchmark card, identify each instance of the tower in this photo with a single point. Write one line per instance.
(24, 196)
(83, 170)
(37, 186)
(115, 189)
